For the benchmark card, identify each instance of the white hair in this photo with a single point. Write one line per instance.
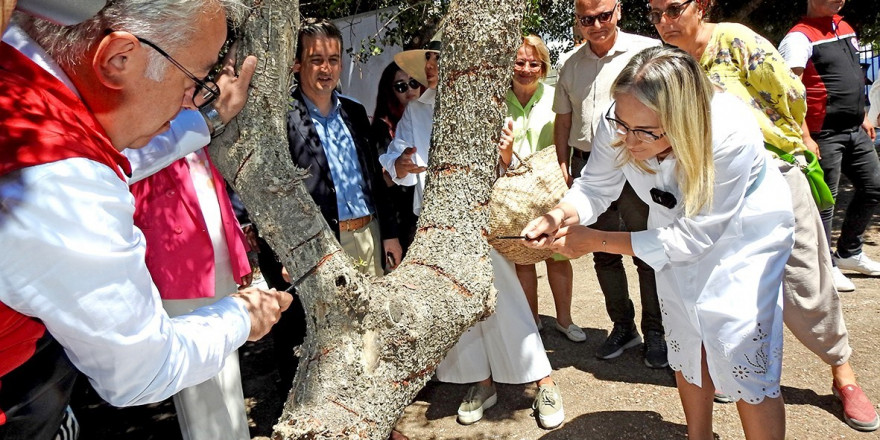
(167, 23)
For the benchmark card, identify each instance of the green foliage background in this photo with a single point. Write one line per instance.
(416, 20)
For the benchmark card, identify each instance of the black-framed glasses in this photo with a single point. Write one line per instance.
(589, 20)
(640, 134)
(206, 90)
(402, 86)
(673, 11)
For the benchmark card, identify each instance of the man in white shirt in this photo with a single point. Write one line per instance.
(583, 94)
(74, 269)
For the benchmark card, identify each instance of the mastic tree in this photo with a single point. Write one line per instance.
(372, 344)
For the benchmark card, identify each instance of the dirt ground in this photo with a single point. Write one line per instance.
(614, 399)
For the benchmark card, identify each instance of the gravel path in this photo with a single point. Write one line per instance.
(615, 399)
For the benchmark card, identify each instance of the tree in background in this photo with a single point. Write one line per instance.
(413, 22)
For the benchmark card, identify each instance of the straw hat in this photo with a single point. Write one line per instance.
(413, 61)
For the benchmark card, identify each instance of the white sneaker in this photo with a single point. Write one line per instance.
(548, 406)
(841, 282)
(477, 399)
(858, 263)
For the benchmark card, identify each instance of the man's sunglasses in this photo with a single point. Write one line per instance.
(401, 86)
(206, 90)
(589, 20)
(673, 12)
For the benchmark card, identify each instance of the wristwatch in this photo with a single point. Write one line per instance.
(212, 118)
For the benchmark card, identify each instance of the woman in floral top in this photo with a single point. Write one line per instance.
(746, 65)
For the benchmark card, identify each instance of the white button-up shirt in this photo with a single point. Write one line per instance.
(584, 84)
(413, 130)
(73, 258)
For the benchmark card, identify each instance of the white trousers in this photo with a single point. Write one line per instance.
(506, 346)
(214, 409)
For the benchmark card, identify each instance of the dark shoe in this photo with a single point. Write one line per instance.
(622, 336)
(858, 411)
(655, 350)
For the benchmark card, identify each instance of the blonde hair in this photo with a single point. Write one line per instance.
(543, 53)
(670, 82)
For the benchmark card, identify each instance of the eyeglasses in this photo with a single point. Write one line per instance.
(673, 12)
(589, 20)
(527, 65)
(401, 86)
(640, 134)
(206, 90)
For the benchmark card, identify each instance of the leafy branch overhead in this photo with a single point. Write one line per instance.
(411, 23)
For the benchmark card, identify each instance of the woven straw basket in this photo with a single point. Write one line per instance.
(523, 193)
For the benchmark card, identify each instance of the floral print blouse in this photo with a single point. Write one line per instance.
(747, 65)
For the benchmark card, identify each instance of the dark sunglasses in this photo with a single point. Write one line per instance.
(589, 20)
(401, 86)
(622, 129)
(673, 12)
(206, 90)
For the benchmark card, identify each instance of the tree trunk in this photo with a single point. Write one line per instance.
(372, 344)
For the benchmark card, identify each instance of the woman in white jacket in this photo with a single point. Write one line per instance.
(720, 231)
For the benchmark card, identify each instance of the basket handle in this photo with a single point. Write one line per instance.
(520, 163)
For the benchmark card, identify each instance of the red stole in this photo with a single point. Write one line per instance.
(41, 121)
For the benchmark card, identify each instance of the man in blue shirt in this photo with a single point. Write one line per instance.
(328, 136)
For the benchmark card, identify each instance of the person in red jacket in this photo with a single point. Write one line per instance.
(822, 49)
(75, 292)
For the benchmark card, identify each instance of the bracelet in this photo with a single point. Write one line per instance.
(212, 118)
(604, 243)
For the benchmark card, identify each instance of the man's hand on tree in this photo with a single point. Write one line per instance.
(264, 308)
(233, 87)
(405, 165)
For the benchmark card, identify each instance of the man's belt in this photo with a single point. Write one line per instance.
(580, 153)
(355, 223)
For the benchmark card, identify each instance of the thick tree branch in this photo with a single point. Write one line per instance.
(374, 343)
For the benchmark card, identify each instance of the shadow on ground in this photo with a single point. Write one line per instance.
(825, 402)
(618, 425)
(627, 368)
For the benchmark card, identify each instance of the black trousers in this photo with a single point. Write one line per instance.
(35, 395)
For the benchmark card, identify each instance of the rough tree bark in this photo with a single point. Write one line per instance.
(373, 343)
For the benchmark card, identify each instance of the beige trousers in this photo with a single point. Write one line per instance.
(811, 305)
(364, 247)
